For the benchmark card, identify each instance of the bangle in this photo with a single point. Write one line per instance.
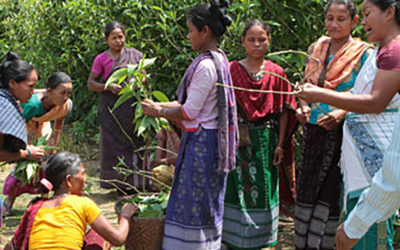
(29, 154)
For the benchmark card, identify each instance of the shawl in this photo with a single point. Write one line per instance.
(12, 123)
(21, 235)
(258, 105)
(227, 116)
(341, 65)
(124, 113)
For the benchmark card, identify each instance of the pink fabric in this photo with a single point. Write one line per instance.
(102, 65)
(12, 182)
(388, 57)
(201, 104)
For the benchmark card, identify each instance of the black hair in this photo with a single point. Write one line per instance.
(113, 25)
(384, 4)
(351, 6)
(13, 68)
(58, 167)
(211, 15)
(57, 79)
(255, 22)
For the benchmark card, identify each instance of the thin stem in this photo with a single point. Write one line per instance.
(258, 91)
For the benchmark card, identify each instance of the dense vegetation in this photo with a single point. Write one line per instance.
(66, 35)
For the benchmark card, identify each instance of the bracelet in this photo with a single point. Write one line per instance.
(29, 154)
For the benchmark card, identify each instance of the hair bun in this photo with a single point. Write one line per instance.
(227, 20)
(11, 56)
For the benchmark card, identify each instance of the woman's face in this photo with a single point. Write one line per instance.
(116, 39)
(256, 41)
(23, 90)
(338, 22)
(374, 21)
(195, 37)
(78, 181)
(60, 94)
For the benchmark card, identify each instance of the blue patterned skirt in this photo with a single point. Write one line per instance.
(196, 205)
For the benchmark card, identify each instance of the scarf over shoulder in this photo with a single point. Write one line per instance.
(341, 65)
(227, 117)
(12, 123)
(258, 105)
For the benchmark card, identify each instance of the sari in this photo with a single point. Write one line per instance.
(365, 139)
(318, 181)
(252, 198)
(118, 139)
(195, 207)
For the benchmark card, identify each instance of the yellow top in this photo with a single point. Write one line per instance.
(64, 226)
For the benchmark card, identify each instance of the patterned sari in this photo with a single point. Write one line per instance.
(365, 139)
(252, 198)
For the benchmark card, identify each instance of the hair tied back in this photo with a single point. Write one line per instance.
(47, 184)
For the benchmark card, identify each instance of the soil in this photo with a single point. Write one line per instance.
(104, 198)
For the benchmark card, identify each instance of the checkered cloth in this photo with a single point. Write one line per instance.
(12, 123)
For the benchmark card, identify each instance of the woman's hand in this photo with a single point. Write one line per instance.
(310, 93)
(303, 114)
(114, 88)
(36, 153)
(128, 210)
(342, 241)
(151, 108)
(332, 120)
(279, 153)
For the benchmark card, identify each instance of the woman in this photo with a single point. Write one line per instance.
(208, 117)
(319, 180)
(52, 105)
(116, 130)
(252, 202)
(366, 136)
(60, 222)
(41, 108)
(17, 81)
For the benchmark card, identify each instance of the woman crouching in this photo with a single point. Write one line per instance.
(67, 213)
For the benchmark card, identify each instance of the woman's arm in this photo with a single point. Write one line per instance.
(32, 153)
(385, 86)
(116, 236)
(168, 110)
(58, 126)
(279, 150)
(96, 86)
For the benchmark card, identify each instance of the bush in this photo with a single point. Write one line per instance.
(66, 35)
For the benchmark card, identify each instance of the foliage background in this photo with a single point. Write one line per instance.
(66, 35)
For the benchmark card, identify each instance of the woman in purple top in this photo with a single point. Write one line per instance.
(207, 114)
(114, 140)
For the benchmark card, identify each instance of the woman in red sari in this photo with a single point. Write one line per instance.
(252, 197)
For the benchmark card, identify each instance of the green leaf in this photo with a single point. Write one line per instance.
(160, 96)
(148, 62)
(125, 96)
(116, 76)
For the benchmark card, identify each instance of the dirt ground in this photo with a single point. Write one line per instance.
(105, 199)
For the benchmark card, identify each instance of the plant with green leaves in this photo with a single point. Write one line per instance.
(28, 171)
(135, 82)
